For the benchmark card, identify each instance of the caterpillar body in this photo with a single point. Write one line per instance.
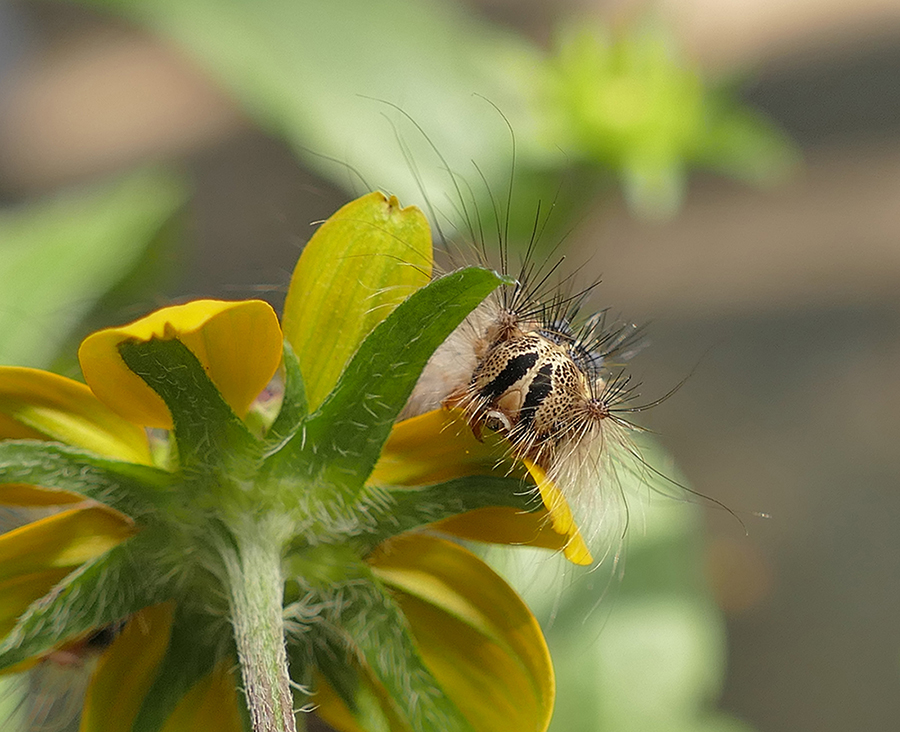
(529, 366)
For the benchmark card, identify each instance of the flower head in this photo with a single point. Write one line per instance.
(237, 547)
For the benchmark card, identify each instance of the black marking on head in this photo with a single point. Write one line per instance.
(540, 388)
(515, 369)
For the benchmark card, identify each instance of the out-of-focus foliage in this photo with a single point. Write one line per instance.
(322, 75)
(631, 105)
(59, 257)
(639, 644)
(332, 79)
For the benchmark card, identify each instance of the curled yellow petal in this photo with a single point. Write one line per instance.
(362, 262)
(561, 517)
(238, 343)
(434, 447)
(439, 446)
(126, 671)
(34, 557)
(475, 634)
(37, 404)
(22, 494)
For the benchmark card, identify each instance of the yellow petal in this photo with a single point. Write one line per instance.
(374, 709)
(34, 557)
(360, 264)
(210, 705)
(331, 708)
(22, 494)
(475, 634)
(561, 517)
(39, 405)
(126, 671)
(17, 593)
(439, 446)
(238, 343)
(63, 540)
(505, 525)
(435, 447)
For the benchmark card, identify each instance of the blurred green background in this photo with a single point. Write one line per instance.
(153, 150)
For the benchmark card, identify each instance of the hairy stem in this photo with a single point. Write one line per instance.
(257, 591)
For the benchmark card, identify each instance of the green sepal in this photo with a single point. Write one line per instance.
(84, 600)
(390, 652)
(127, 487)
(339, 666)
(374, 628)
(186, 662)
(207, 431)
(404, 509)
(294, 406)
(343, 439)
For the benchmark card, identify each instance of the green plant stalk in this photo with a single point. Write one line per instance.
(256, 585)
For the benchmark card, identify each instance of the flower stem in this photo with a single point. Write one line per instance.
(257, 592)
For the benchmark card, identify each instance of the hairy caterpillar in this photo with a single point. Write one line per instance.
(528, 365)
(537, 364)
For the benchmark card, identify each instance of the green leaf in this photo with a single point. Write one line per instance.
(411, 508)
(315, 73)
(344, 438)
(744, 144)
(127, 487)
(186, 662)
(294, 406)
(59, 257)
(206, 428)
(84, 600)
(375, 629)
(361, 263)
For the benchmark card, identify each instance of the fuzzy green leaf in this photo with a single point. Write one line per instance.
(294, 406)
(374, 627)
(127, 487)
(344, 438)
(411, 508)
(206, 429)
(84, 600)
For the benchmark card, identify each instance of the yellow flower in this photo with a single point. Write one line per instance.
(199, 548)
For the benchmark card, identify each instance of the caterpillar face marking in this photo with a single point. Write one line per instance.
(528, 388)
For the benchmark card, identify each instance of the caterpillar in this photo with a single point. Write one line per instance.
(529, 365)
(536, 363)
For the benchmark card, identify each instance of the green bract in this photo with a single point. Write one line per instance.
(287, 549)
